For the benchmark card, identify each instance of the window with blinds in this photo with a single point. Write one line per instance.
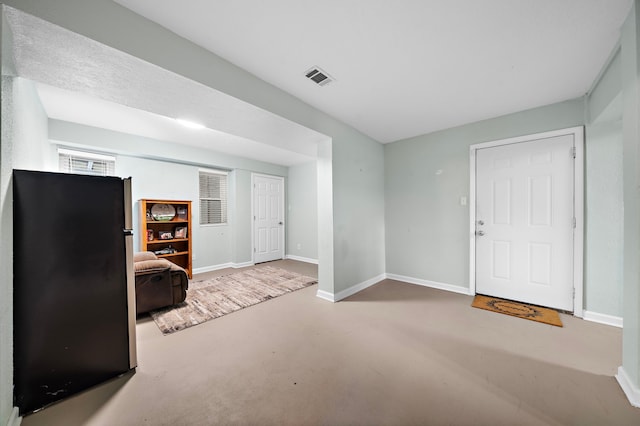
(86, 163)
(213, 198)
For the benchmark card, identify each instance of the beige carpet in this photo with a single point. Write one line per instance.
(393, 354)
(215, 297)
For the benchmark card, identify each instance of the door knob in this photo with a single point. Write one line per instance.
(280, 223)
(480, 233)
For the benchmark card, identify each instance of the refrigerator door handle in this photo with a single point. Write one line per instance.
(131, 280)
(131, 303)
(128, 210)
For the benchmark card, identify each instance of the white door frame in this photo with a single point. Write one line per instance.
(253, 213)
(578, 207)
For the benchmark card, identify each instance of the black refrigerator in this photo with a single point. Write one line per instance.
(74, 296)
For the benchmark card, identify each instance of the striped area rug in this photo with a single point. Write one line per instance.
(219, 296)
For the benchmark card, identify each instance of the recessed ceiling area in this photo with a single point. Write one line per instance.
(82, 81)
(405, 68)
(88, 110)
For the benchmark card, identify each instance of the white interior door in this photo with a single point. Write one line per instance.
(525, 221)
(268, 218)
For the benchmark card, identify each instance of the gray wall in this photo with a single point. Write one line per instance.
(172, 173)
(6, 227)
(358, 221)
(302, 211)
(631, 176)
(426, 225)
(606, 89)
(242, 230)
(604, 213)
(604, 207)
(23, 145)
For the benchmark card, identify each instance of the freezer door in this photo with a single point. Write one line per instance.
(71, 311)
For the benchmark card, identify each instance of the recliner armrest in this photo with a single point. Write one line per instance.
(148, 266)
(144, 255)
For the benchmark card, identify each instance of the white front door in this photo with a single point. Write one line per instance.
(525, 221)
(268, 218)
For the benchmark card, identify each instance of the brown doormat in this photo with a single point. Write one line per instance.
(516, 309)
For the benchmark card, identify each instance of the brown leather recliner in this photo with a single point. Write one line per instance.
(159, 283)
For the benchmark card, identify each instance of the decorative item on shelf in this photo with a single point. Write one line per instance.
(182, 213)
(163, 212)
(160, 216)
(165, 235)
(166, 250)
(180, 232)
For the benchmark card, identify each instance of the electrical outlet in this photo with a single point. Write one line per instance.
(298, 246)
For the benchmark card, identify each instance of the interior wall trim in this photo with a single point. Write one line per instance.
(336, 297)
(331, 297)
(302, 259)
(432, 284)
(325, 295)
(603, 319)
(632, 392)
(14, 418)
(211, 268)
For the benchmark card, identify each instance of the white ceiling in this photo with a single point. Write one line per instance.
(407, 67)
(82, 81)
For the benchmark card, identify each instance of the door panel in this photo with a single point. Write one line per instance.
(524, 212)
(268, 218)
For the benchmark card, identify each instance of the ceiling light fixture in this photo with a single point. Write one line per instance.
(190, 124)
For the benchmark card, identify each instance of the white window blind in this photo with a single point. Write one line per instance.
(213, 198)
(86, 163)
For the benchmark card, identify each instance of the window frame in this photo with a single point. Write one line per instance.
(110, 170)
(224, 200)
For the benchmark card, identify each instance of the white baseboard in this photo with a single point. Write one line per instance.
(211, 268)
(14, 418)
(632, 392)
(432, 284)
(603, 319)
(301, 259)
(331, 297)
(325, 295)
(242, 265)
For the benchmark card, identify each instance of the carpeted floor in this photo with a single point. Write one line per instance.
(214, 297)
(393, 354)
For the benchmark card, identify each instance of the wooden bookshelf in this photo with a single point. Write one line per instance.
(158, 221)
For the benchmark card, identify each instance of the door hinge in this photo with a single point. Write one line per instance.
(573, 152)
(254, 249)
(574, 223)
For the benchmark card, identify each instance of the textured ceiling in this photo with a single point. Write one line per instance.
(408, 67)
(86, 82)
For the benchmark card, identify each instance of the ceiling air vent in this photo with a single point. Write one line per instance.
(318, 76)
